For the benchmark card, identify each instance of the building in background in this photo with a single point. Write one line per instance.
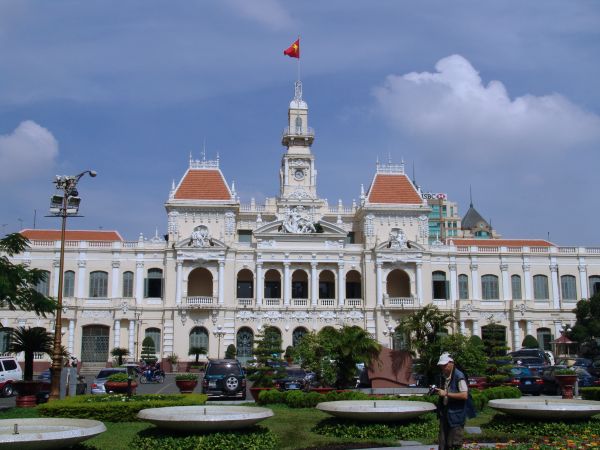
(225, 269)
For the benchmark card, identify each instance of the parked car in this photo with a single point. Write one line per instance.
(295, 379)
(551, 386)
(526, 380)
(98, 384)
(10, 371)
(478, 383)
(529, 352)
(224, 378)
(534, 363)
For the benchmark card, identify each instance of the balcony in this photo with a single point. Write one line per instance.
(272, 301)
(245, 301)
(200, 302)
(327, 302)
(300, 302)
(400, 302)
(354, 302)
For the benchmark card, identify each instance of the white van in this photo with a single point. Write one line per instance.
(10, 371)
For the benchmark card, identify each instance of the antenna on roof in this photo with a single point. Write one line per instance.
(414, 180)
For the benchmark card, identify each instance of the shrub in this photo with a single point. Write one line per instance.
(114, 408)
(590, 393)
(565, 372)
(120, 377)
(186, 377)
(530, 342)
(501, 392)
(231, 352)
(252, 438)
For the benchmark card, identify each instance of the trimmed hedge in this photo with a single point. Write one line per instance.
(114, 408)
(590, 393)
(255, 438)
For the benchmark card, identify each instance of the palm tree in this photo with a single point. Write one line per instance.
(353, 345)
(30, 341)
(424, 327)
(197, 351)
(119, 352)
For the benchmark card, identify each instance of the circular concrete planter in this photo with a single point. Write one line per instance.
(40, 433)
(376, 410)
(566, 383)
(204, 418)
(546, 408)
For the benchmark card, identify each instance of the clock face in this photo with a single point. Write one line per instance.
(299, 174)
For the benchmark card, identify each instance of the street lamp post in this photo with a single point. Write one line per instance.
(219, 333)
(64, 205)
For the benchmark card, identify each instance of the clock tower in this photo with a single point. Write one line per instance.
(298, 175)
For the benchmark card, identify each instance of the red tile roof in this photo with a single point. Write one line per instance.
(72, 235)
(503, 242)
(393, 188)
(203, 184)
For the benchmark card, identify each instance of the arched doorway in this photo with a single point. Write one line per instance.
(245, 344)
(200, 283)
(398, 284)
(297, 335)
(94, 343)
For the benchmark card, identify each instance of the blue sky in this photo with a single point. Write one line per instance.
(503, 96)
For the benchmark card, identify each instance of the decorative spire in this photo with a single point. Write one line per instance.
(470, 197)
(204, 150)
(298, 91)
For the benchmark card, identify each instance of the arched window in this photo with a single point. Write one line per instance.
(199, 338)
(299, 284)
(353, 284)
(398, 284)
(69, 284)
(515, 284)
(154, 284)
(463, 286)
(440, 286)
(594, 285)
(489, 287)
(154, 333)
(568, 287)
(297, 335)
(43, 286)
(326, 284)
(245, 344)
(540, 287)
(98, 284)
(245, 284)
(544, 337)
(127, 284)
(400, 340)
(272, 284)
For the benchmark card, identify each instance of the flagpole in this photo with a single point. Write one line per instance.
(298, 59)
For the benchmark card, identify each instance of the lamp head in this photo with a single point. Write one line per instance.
(93, 173)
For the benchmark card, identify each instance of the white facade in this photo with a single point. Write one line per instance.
(297, 263)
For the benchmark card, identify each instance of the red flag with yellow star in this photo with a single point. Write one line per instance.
(293, 51)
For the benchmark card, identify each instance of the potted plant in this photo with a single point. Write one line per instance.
(196, 351)
(288, 355)
(566, 379)
(119, 383)
(186, 382)
(173, 359)
(119, 352)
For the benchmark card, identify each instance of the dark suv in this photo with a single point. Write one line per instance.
(224, 378)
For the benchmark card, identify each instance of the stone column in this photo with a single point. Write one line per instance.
(453, 285)
(475, 281)
(71, 339)
(260, 284)
(505, 283)
(139, 282)
(379, 287)
(529, 327)
(476, 330)
(314, 284)
(420, 282)
(555, 288)
(179, 281)
(527, 281)
(583, 282)
(341, 284)
(463, 327)
(117, 333)
(516, 335)
(115, 279)
(131, 342)
(286, 283)
(221, 287)
(81, 278)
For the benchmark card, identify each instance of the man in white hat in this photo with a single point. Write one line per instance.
(452, 404)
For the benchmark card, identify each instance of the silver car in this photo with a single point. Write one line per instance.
(98, 384)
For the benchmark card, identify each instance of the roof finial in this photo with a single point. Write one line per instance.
(470, 196)
(191, 159)
(204, 150)
(414, 180)
(389, 157)
(218, 159)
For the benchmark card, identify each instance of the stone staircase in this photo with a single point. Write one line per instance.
(90, 370)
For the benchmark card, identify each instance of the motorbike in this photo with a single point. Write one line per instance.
(158, 376)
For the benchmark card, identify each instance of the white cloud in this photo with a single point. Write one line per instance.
(451, 112)
(27, 151)
(267, 12)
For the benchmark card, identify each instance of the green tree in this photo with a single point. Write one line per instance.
(18, 282)
(267, 351)
(231, 352)
(197, 351)
(148, 350)
(31, 341)
(530, 342)
(352, 345)
(467, 352)
(587, 326)
(119, 352)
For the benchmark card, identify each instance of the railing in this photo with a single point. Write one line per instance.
(251, 207)
(514, 249)
(539, 249)
(199, 300)
(99, 244)
(298, 131)
(354, 301)
(300, 301)
(342, 210)
(567, 250)
(401, 301)
(593, 250)
(272, 301)
(245, 301)
(327, 301)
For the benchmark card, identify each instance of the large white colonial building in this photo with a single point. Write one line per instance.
(298, 263)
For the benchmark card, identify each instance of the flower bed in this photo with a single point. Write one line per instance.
(114, 408)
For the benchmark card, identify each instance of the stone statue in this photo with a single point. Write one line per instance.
(200, 237)
(397, 238)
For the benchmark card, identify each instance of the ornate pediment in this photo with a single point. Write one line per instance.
(326, 230)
